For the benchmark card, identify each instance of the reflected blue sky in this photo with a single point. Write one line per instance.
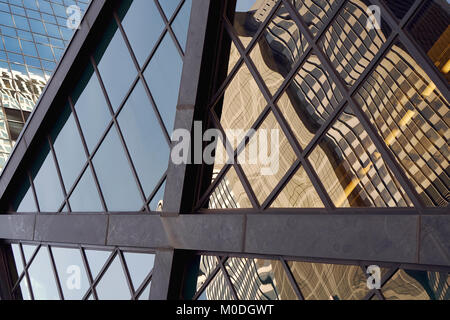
(245, 5)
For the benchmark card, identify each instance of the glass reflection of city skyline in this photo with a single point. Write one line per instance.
(363, 127)
(33, 37)
(402, 103)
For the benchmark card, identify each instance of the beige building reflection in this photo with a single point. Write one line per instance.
(400, 100)
(18, 95)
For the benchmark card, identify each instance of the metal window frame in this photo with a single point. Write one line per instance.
(182, 230)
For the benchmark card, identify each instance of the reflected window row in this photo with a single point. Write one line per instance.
(64, 273)
(111, 140)
(328, 154)
(232, 278)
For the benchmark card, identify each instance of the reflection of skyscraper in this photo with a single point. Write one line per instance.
(398, 99)
(34, 35)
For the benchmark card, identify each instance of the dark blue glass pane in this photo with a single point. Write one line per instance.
(114, 174)
(144, 138)
(143, 25)
(91, 108)
(115, 65)
(163, 75)
(46, 181)
(68, 147)
(85, 197)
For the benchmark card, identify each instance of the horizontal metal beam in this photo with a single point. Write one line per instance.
(371, 237)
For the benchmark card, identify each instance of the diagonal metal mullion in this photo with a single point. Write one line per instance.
(143, 286)
(382, 148)
(291, 278)
(121, 138)
(142, 78)
(89, 158)
(55, 273)
(27, 265)
(260, 30)
(244, 181)
(102, 272)
(282, 121)
(152, 195)
(92, 289)
(211, 276)
(58, 171)
(168, 23)
(33, 189)
(227, 279)
(126, 271)
(416, 53)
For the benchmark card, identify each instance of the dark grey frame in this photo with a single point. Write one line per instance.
(416, 238)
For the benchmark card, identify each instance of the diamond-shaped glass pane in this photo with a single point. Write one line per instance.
(309, 100)
(113, 284)
(329, 281)
(277, 50)
(69, 150)
(141, 15)
(91, 108)
(417, 285)
(163, 75)
(46, 181)
(315, 13)
(206, 267)
(229, 193)
(218, 289)
(352, 170)
(353, 39)
(85, 197)
(411, 116)
(71, 272)
(42, 279)
(139, 266)
(258, 279)
(243, 103)
(114, 175)
(115, 65)
(144, 138)
(96, 261)
(267, 158)
(298, 193)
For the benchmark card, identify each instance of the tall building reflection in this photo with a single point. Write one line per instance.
(399, 99)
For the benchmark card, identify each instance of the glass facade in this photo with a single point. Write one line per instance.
(360, 107)
(116, 117)
(230, 278)
(34, 35)
(73, 273)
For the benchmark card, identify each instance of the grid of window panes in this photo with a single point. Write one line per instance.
(33, 36)
(266, 278)
(81, 273)
(361, 123)
(109, 149)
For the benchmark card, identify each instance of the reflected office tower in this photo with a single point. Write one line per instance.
(34, 34)
(398, 98)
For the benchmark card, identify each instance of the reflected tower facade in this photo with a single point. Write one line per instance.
(34, 34)
(361, 110)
